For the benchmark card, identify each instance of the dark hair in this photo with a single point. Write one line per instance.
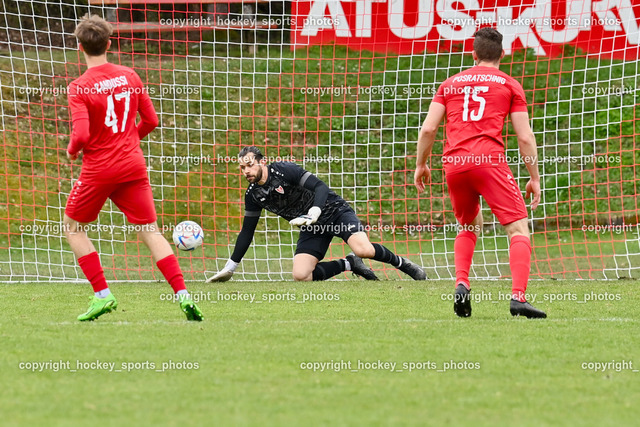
(251, 149)
(488, 44)
(93, 33)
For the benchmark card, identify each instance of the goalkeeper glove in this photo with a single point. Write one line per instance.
(224, 274)
(310, 218)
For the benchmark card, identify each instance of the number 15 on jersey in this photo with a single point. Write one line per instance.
(475, 92)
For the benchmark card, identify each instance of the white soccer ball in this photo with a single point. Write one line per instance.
(188, 235)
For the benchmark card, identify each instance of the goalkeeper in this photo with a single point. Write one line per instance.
(298, 196)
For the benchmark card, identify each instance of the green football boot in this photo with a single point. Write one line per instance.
(190, 309)
(98, 307)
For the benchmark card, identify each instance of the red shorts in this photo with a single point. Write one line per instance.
(498, 187)
(133, 198)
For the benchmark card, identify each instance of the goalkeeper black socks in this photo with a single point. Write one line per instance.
(328, 269)
(385, 255)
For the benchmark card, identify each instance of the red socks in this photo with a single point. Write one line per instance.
(520, 263)
(171, 271)
(463, 248)
(90, 265)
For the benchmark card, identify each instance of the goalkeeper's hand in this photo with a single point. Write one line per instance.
(224, 274)
(310, 218)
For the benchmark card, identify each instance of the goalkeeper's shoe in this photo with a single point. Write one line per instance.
(527, 310)
(190, 309)
(222, 276)
(412, 269)
(98, 307)
(462, 301)
(359, 268)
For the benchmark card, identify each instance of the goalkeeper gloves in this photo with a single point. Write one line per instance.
(310, 218)
(224, 274)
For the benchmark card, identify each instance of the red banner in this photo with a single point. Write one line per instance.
(607, 28)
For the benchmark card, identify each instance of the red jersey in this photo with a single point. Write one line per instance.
(477, 101)
(104, 103)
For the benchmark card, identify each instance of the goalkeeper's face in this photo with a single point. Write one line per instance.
(251, 168)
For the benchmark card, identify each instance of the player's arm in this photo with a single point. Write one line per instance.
(529, 153)
(249, 224)
(426, 139)
(526, 141)
(311, 182)
(80, 123)
(148, 117)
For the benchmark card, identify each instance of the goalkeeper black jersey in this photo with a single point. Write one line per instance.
(284, 194)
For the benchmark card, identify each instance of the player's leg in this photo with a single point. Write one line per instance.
(311, 249)
(83, 207)
(361, 248)
(520, 264)
(519, 257)
(167, 263)
(464, 247)
(501, 192)
(163, 256)
(135, 200)
(303, 267)
(352, 232)
(465, 201)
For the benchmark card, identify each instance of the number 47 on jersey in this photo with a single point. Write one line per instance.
(111, 120)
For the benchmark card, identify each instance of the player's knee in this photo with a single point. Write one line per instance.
(365, 251)
(514, 233)
(471, 228)
(517, 228)
(301, 275)
(68, 230)
(72, 228)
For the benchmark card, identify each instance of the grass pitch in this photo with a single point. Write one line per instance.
(353, 353)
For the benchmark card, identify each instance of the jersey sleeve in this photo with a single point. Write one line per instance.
(244, 238)
(79, 118)
(77, 106)
(518, 98)
(319, 188)
(439, 96)
(251, 209)
(149, 119)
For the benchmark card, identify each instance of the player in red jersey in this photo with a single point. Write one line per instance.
(104, 103)
(476, 102)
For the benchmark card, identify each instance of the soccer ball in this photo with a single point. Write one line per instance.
(188, 235)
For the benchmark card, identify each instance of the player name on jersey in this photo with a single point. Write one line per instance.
(479, 78)
(110, 84)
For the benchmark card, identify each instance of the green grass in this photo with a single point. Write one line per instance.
(529, 372)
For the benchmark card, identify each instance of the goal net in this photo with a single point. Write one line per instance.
(341, 88)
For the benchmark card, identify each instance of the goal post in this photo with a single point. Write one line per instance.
(340, 88)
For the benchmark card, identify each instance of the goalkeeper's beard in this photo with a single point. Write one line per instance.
(257, 178)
